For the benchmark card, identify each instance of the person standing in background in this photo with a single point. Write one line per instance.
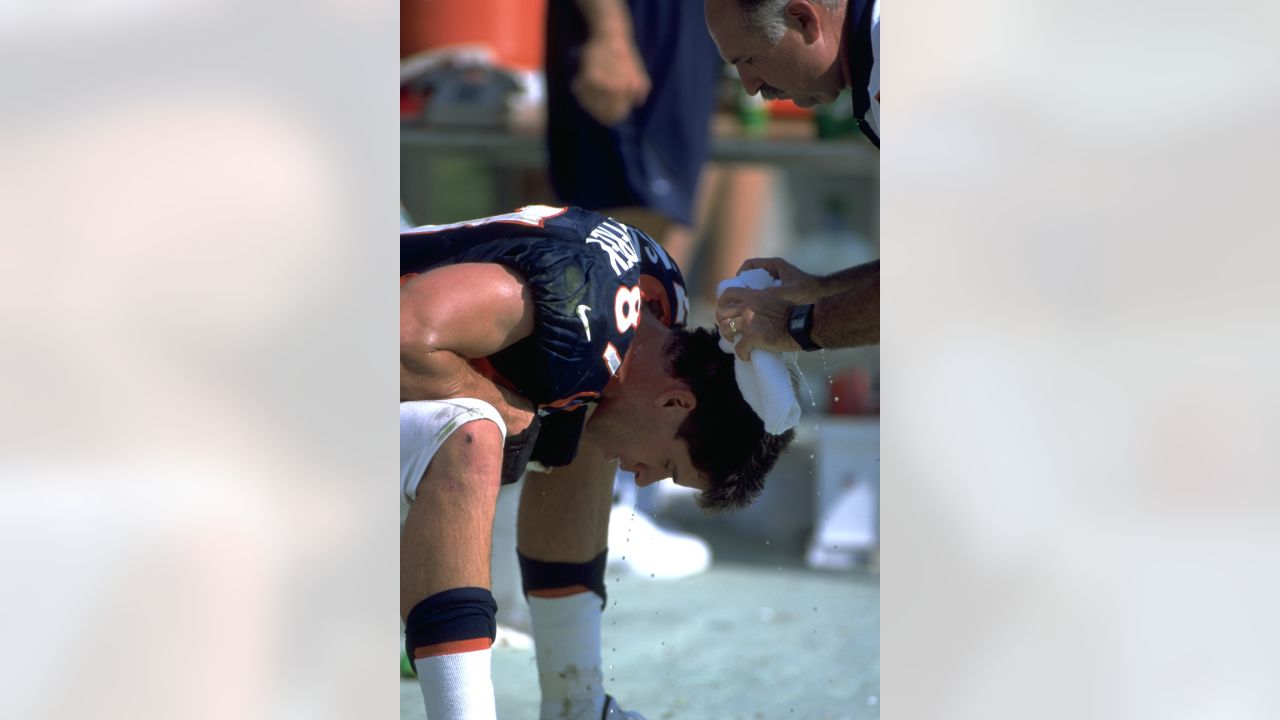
(630, 92)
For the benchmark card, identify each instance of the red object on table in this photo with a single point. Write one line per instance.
(786, 109)
(853, 392)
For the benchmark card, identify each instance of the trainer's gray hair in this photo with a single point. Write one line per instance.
(768, 17)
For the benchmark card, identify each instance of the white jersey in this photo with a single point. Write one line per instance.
(873, 85)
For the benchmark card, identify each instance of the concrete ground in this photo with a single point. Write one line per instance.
(757, 637)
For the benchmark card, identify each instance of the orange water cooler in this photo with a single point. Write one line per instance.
(512, 28)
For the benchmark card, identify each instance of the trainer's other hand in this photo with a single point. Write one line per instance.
(611, 78)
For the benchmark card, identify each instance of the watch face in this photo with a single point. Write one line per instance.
(795, 319)
(799, 321)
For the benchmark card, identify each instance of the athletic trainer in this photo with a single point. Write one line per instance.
(807, 51)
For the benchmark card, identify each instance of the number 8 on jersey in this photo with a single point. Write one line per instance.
(626, 308)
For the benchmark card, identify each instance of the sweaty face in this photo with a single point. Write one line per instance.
(640, 411)
(655, 461)
(642, 436)
(794, 68)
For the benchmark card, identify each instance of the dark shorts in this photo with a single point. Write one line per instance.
(653, 158)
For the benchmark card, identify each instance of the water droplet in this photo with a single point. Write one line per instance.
(835, 398)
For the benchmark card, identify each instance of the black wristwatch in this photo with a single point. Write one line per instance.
(800, 325)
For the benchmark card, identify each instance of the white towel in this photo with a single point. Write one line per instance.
(768, 381)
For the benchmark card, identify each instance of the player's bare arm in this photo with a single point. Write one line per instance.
(454, 313)
(472, 309)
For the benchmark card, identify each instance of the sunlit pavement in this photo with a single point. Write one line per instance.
(757, 637)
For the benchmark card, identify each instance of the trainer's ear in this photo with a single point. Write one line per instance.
(681, 398)
(801, 13)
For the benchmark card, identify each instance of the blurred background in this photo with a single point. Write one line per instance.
(1078, 207)
(709, 611)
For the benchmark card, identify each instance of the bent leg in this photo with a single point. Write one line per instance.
(564, 514)
(446, 535)
(445, 599)
(562, 536)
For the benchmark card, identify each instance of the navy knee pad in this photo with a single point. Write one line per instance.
(540, 575)
(453, 615)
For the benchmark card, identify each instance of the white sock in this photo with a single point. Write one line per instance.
(566, 638)
(457, 686)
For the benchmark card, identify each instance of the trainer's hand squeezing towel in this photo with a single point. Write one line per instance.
(769, 380)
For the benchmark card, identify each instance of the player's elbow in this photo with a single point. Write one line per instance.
(418, 339)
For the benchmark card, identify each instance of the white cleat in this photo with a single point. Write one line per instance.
(642, 548)
(613, 712)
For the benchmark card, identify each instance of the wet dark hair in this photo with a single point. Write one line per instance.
(727, 441)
